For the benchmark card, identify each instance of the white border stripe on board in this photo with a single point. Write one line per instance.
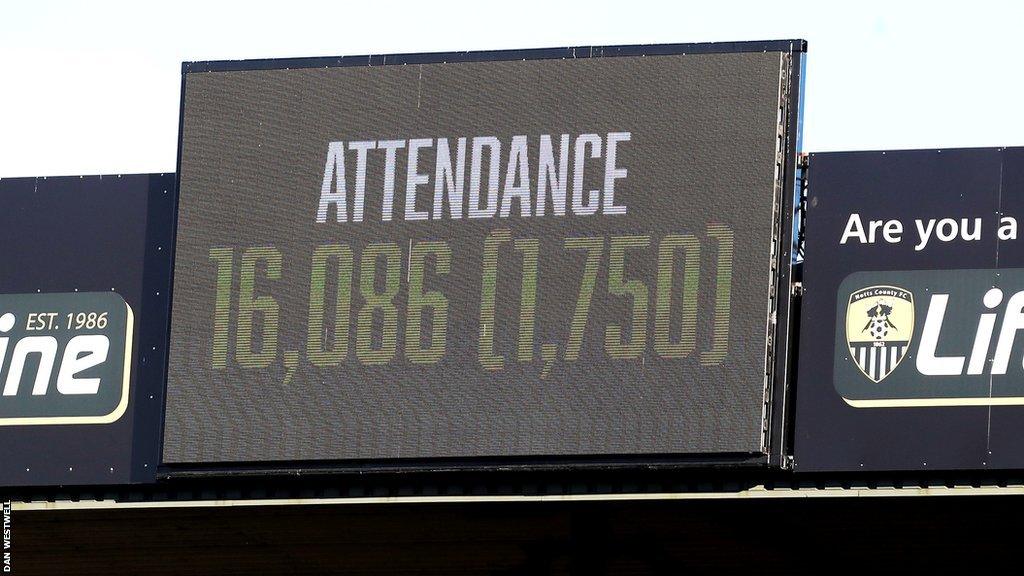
(758, 492)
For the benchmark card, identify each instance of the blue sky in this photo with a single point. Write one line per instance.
(93, 87)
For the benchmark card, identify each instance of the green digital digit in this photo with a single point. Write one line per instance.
(723, 294)
(489, 286)
(249, 305)
(316, 349)
(224, 257)
(384, 301)
(530, 247)
(432, 299)
(614, 344)
(667, 249)
(594, 247)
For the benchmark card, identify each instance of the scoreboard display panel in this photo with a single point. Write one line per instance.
(479, 255)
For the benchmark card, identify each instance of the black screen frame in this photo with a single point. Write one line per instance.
(776, 445)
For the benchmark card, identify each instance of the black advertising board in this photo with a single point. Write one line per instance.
(84, 273)
(547, 253)
(910, 357)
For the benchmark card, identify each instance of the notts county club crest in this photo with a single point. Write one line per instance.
(879, 327)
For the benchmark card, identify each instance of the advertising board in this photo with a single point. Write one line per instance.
(84, 276)
(910, 357)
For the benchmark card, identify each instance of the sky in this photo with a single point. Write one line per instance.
(94, 87)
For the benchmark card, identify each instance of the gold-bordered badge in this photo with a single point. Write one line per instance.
(879, 328)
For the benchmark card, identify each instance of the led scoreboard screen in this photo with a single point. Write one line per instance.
(477, 255)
